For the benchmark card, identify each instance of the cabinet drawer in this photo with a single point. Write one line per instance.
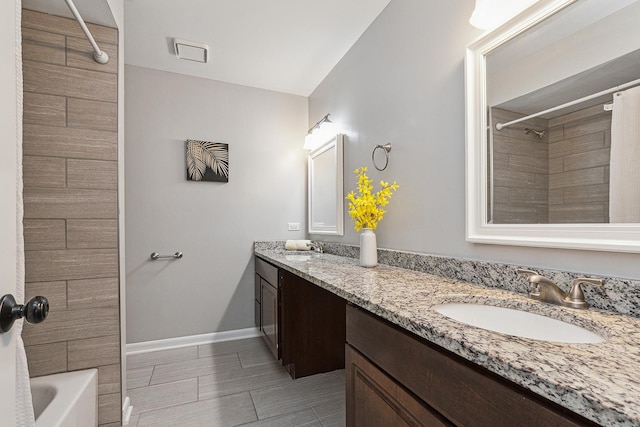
(466, 394)
(267, 271)
(374, 399)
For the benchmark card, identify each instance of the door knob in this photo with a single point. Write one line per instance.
(34, 311)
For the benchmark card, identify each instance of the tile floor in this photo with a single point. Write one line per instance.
(233, 383)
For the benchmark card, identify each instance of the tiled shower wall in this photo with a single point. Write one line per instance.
(70, 202)
(579, 155)
(520, 171)
(561, 178)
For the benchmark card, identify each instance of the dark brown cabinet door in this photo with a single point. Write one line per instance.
(269, 306)
(374, 399)
(312, 327)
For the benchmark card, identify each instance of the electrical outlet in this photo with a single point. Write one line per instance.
(294, 226)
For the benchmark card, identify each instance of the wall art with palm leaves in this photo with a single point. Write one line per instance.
(207, 161)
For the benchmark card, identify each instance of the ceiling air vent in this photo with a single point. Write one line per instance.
(191, 51)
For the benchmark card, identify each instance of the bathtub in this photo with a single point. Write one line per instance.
(66, 400)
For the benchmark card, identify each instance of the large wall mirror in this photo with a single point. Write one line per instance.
(326, 193)
(553, 128)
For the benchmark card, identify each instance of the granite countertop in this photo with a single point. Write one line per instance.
(599, 381)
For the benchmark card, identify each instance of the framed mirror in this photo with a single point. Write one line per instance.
(549, 155)
(326, 193)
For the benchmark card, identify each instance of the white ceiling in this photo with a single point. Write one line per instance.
(282, 45)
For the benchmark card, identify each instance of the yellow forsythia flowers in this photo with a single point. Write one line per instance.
(367, 208)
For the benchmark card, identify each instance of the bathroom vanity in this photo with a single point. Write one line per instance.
(404, 359)
(393, 375)
(302, 324)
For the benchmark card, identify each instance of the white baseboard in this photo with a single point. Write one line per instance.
(127, 409)
(178, 342)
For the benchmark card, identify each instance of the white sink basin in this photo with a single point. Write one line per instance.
(518, 323)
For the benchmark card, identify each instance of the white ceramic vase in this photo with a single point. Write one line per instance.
(368, 248)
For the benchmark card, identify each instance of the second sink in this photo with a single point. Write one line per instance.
(518, 323)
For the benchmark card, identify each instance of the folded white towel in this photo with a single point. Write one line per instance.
(297, 245)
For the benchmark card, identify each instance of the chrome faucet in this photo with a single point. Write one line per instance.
(316, 247)
(545, 290)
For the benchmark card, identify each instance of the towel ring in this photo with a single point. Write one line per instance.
(386, 147)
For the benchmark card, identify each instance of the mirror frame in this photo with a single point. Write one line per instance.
(604, 237)
(335, 144)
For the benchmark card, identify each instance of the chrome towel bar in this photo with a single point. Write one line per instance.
(156, 255)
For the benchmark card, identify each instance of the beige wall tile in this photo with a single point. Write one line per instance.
(514, 179)
(96, 174)
(93, 293)
(525, 195)
(598, 193)
(92, 352)
(89, 114)
(516, 146)
(556, 197)
(555, 133)
(588, 125)
(80, 55)
(53, 141)
(109, 379)
(588, 159)
(109, 408)
(44, 109)
(71, 218)
(75, 325)
(594, 141)
(43, 46)
(67, 81)
(70, 203)
(585, 113)
(44, 234)
(528, 164)
(55, 292)
(66, 26)
(577, 178)
(44, 171)
(92, 233)
(47, 359)
(556, 165)
(45, 266)
(579, 213)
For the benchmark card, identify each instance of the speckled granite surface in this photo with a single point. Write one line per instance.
(598, 381)
(617, 295)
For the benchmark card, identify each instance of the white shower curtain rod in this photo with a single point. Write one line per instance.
(99, 56)
(500, 126)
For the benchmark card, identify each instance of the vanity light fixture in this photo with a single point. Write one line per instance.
(321, 132)
(490, 14)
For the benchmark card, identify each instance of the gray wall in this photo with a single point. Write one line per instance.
(403, 82)
(214, 224)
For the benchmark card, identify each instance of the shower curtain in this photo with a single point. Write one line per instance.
(624, 180)
(24, 407)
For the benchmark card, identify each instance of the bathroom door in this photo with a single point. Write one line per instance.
(8, 125)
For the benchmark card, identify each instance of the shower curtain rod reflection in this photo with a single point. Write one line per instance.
(500, 126)
(99, 56)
